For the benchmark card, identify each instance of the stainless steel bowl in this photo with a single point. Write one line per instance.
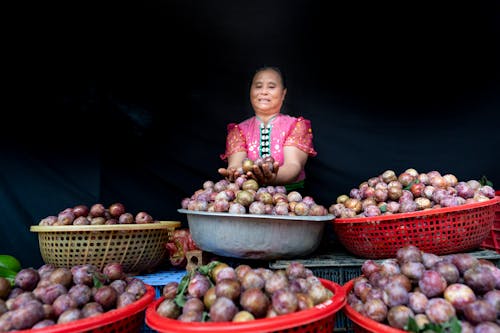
(252, 236)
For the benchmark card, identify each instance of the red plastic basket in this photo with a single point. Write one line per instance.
(128, 319)
(492, 242)
(362, 324)
(320, 318)
(439, 231)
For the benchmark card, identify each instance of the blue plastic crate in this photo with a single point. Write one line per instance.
(157, 281)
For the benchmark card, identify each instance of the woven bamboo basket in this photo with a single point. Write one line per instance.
(138, 247)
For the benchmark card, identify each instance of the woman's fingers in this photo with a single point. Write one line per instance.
(223, 172)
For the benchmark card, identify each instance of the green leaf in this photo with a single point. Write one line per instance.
(455, 326)
(180, 298)
(206, 269)
(416, 181)
(412, 326)
(451, 326)
(485, 181)
(97, 281)
(383, 208)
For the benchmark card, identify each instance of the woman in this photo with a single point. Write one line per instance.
(289, 140)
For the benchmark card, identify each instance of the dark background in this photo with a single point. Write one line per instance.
(130, 102)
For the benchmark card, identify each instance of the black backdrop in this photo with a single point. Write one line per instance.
(130, 102)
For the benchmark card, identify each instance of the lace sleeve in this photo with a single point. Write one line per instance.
(301, 136)
(235, 141)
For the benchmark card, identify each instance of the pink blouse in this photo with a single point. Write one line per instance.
(252, 137)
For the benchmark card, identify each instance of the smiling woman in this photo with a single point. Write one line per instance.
(287, 139)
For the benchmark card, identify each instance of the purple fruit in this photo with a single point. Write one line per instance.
(493, 297)
(480, 311)
(228, 288)
(168, 309)
(49, 293)
(375, 309)
(432, 284)
(448, 270)
(459, 295)
(252, 280)
(255, 301)
(375, 293)
(390, 266)
(27, 316)
(198, 285)
(284, 301)
(223, 310)
(84, 274)
(464, 261)
(486, 327)
(92, 309)
(417, 301)
(81, 294)
(275, 282)
(225, 273)
(169, 290)
(43, 323)
(193, 304)
(480, 279)
(466, 326)
(119, 286)
(114, 271)
(398, 316)
(27, 279)
(124, 299)
(69, 315)
(439, 310)
(63, 303)
(430, 259)
(304, 301)
(361, 289)
(408, 253)
(395, 294)
(190, 317)
(295, 270)
(401, 279)
(136, 286)
(319, 293)
(106, 296)
(413, 270)
(368, 267)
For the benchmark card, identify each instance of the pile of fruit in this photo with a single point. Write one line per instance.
(409, 191)
(422, 292)
(53, 295)
(245, 196)
(97, 214)
(219, 293)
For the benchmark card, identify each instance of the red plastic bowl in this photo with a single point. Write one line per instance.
(362, 324)
(320, 318)
(440, 231)
(127, 319)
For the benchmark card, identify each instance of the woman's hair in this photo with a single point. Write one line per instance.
(273, 68)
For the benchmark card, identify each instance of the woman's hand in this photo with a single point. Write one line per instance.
(230, 173)
(265, 174)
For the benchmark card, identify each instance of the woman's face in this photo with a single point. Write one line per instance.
(267, 93)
